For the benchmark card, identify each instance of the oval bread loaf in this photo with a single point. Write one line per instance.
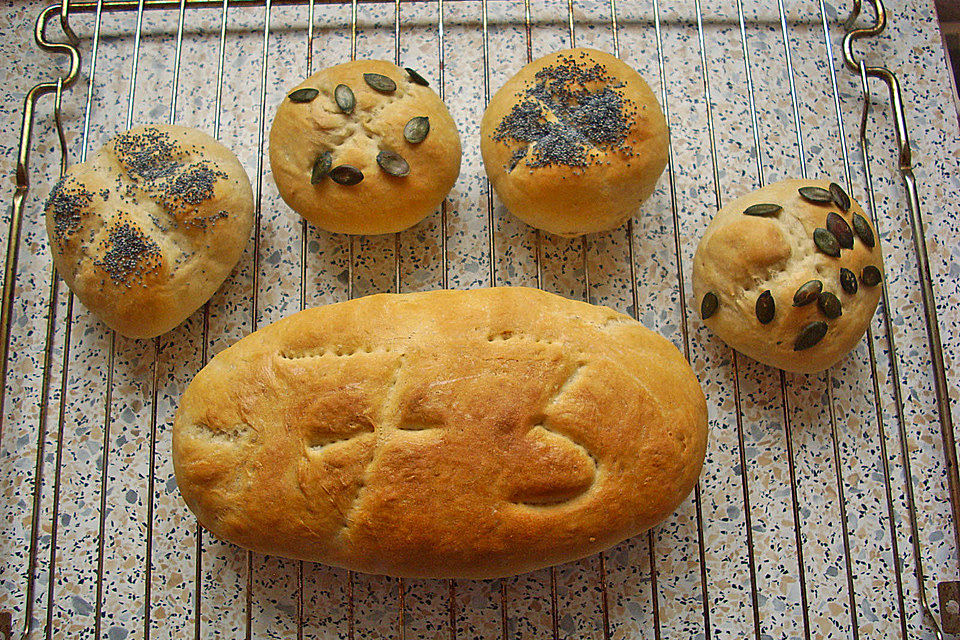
(444, 434)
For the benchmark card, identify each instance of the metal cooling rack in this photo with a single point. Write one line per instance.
(97, 542)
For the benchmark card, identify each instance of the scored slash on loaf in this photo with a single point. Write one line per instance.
(473, 433)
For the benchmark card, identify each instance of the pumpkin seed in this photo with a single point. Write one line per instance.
(417, 129)
(416, 78)
(304, 95)
(709, 305)
(380, 83)
(766, 307)
(807, 293)
(830, 305)
(840, 229)
(848, 280)
(840, 197)
(862, 227)
(346, 175)
(762, 209)
(321, 167)
(826, 242)
(393, 163)
(810, 335)
(819, 195)
(345, 98)
(870, 276)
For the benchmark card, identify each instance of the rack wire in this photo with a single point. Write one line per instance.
(99, 543)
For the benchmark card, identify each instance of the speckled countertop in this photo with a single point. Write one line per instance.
(693, 574)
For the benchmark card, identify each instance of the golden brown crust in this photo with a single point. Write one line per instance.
(617, 173)
(741, 256)
(380, 203)
(148, 229)
(443, 434)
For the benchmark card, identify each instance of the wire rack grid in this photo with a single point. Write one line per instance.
(824, 509)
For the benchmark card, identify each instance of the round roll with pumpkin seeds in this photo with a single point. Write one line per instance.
(574, 142)
(789, 274)
(364, 147)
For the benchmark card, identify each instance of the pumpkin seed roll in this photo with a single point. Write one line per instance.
(574, 142)
(364, 147)
(789, 274)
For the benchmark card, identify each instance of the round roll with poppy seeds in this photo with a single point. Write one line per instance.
(574, 142)
(364, 147)
(150, 227)
(790, 274)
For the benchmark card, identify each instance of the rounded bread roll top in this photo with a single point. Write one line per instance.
(313, 127)
(744, 255)
(148, 229)
(574, 142)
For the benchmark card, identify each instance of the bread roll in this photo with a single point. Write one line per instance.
(444, 434)
(148, 229)
(364, 147)
(788, 280)
(574, 142)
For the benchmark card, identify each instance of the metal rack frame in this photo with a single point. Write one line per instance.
(24, 615)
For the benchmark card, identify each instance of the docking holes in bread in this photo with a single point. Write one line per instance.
(443, 434)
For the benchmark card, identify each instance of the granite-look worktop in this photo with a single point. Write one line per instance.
(700, 555)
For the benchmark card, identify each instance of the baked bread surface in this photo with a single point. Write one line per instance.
(468, 434)
(574, 142)
(380, 202)
(742, 256)
(148, 229)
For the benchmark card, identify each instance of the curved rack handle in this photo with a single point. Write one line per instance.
(951, 623)
(57, 86)
(23, 178)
